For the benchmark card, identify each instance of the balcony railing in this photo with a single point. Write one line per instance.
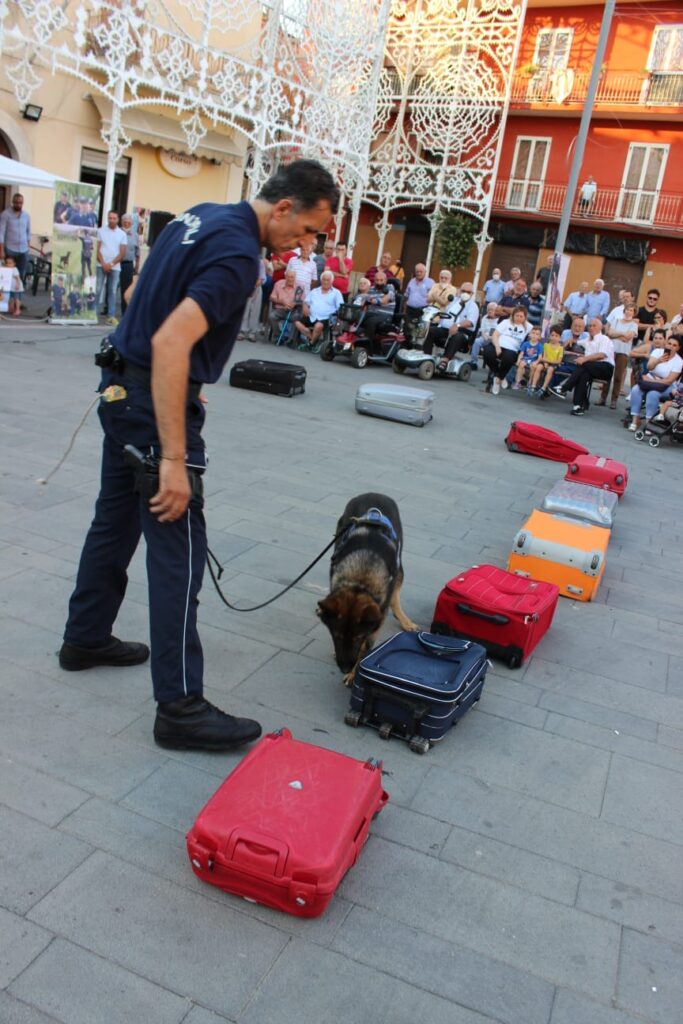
(616, 88)
(622, 206)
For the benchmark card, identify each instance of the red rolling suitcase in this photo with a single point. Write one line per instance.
(287, 824)
(531, 439)
(507, 614)
(598, 471)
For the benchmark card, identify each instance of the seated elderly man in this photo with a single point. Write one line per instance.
(380, 303)
(284, 299)
(518, 296)
(465, 317)
(321, 304)
(596, 364)
(443, 292)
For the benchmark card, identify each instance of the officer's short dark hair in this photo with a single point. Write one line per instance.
(305, 182)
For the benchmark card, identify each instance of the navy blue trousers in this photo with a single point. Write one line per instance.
(176, 552)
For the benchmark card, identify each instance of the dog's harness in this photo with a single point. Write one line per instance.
(352, 539)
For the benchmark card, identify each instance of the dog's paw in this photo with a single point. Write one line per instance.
(348, 679)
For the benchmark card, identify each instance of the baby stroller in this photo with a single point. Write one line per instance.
(660, 426)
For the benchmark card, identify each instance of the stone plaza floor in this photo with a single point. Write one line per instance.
(527, 870)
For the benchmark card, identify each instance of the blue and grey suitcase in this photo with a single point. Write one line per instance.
(416, 686)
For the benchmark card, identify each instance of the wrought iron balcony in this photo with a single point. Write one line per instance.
(616, 88)
(637, 208)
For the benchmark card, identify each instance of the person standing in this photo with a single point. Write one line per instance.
(494, 289)
(384, 265)
(178, 333)
(341, 266)
(597, 301)
(321, 258)
(576, 304)
(645, 315)
(15, 233)
(417, 292)
(130, 264)
(111, 248)
(304, 268)
(587, 195)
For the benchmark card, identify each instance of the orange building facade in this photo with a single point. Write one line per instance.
(627, 213)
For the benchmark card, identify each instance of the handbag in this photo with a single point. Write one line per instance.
(652, 385)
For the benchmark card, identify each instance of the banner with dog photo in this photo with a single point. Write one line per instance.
(74, 253)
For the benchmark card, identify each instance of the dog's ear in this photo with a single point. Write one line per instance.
(328, 608)
(370, 616)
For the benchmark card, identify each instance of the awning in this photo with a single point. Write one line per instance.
(152, 129)
(14, 173)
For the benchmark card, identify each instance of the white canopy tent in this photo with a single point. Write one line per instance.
(14, 173)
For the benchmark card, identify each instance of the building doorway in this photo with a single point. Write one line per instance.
(506, 256)
(4, 151)
(619, 274)
(415, 243)
(94, 172)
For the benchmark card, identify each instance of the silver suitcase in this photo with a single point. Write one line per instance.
(395, 402)
(592, 504)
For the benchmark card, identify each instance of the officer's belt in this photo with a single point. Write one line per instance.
(141, 375)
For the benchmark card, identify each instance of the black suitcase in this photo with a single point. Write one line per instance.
(416, 686)
(271, 377)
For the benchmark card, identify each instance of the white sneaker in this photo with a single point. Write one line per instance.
(659, 418)
(633, 426)
(504, 384)
(495, 387)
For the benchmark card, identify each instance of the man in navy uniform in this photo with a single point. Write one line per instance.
(178, 332)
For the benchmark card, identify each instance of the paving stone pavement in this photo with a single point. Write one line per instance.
(528, 870)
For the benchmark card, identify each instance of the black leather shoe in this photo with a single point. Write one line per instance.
(114, 652)
(193, 724)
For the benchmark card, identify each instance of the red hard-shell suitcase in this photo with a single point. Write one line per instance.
(287, 824)
(598, 471)
(507, 614)
(531, 439)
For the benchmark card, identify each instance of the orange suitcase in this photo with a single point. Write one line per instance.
(561, 550)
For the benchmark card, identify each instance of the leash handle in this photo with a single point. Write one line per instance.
(264, 604)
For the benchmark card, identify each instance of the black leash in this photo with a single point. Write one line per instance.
(254, 608)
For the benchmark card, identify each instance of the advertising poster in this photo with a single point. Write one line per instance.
(74, 253)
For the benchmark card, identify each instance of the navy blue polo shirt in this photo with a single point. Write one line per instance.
(211, 254)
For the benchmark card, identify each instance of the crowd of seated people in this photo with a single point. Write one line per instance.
(623, 349)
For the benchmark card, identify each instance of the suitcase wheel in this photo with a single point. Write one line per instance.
(619, 478)
(352, 718)
(573, 468)
(515, 660)
(512, 446)
(419, 744)
(385, 730)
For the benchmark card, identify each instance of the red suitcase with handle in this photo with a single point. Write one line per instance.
(530, 439)
(598, 471)
(287, 824)
(506, 613)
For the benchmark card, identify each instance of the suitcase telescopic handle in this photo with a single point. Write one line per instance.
(415, 708)
(497, 618)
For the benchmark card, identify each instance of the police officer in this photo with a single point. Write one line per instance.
(178, 332)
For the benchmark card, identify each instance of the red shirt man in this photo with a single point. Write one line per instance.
(280, 261)
(341, 266)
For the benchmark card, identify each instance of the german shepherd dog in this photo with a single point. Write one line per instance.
(365, 578)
